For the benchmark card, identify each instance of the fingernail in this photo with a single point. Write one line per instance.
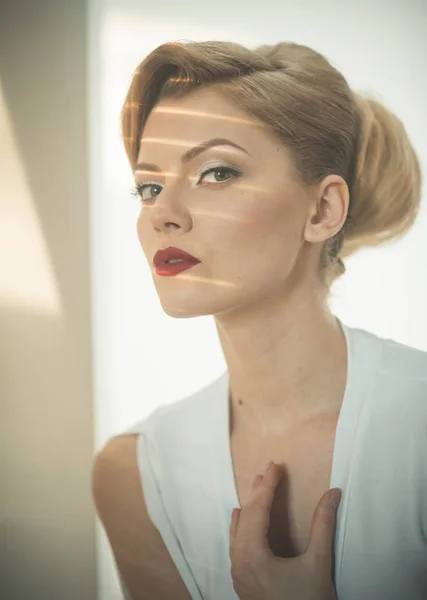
(334, 497)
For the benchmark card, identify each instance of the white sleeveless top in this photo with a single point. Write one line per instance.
(379, 462)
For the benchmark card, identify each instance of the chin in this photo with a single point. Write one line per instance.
(180, 315)
(192, 308)
(184, 312)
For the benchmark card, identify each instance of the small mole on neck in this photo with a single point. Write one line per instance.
(240, 401)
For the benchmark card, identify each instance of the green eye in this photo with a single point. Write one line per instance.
(221, 174)
(139, 190)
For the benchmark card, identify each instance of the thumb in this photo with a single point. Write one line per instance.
(322, 531)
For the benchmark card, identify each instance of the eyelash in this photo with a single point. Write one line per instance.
(138, 190)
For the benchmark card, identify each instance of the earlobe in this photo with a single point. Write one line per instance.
(317, 224)
(329, 212)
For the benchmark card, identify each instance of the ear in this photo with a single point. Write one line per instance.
(328, 210)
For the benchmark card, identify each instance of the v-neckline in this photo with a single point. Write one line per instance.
(344, 440)
(363, 357)
(349, 335)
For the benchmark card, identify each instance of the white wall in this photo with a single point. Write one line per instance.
(379, 48)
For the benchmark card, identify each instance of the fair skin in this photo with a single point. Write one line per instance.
(257, 573)
(259, 237)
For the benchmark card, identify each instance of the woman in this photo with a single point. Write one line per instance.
(258, 172)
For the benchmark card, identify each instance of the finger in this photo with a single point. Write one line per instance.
(254, 520)
(234, 523)
(256, 482)
(322, 531)
(235, 514)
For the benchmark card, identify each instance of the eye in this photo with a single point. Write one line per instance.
(141, 188)
(221, 174)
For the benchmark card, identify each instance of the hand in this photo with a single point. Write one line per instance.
(260, 575)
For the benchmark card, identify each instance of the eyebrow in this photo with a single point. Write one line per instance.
(193, 152)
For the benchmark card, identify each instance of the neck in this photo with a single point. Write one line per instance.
(287, 363)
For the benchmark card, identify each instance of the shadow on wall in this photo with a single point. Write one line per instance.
(47, 537)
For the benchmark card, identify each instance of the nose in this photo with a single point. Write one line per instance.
(169, 212)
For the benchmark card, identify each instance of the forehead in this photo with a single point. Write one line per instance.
(198, 116)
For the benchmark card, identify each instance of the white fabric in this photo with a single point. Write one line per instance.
(379, 462)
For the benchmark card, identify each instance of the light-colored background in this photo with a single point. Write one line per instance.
(145, 358)
(47, 537)
(85, 346)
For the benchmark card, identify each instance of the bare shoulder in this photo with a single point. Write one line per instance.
(143, 560)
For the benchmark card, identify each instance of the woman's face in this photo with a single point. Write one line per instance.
(244, 219)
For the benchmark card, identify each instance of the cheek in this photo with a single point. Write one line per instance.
(273, 218)
(270, 238)
(141, 230)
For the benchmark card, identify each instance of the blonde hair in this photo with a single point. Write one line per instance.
(308, 104)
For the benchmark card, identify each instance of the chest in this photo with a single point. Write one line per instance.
(305, 458)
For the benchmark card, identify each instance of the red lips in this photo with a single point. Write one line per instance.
(169, 253)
